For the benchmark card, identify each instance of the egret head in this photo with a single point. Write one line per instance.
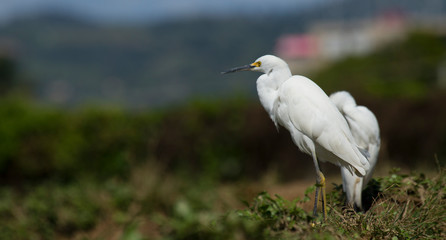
(264, 64)
(342, 99)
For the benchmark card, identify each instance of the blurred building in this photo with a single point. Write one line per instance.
(327, 41)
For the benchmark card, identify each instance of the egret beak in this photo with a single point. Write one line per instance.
(238, 69)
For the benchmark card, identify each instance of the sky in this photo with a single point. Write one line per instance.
(149, 10)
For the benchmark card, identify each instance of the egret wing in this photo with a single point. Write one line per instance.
(312, 113)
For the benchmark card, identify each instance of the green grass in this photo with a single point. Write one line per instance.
(406, 207)
(165, 206)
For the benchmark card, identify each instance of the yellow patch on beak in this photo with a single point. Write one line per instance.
(256, 64)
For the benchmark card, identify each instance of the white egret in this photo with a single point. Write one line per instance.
(315, 124)
(365, 130)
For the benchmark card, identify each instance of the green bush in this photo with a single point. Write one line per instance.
(40, 142)
(406, 69)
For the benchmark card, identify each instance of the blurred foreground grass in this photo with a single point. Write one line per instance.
(154, 205)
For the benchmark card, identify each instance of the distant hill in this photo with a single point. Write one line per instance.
(73, 62)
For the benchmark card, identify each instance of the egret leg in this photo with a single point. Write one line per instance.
(320, 185)
(315, 202)
(320, 191)
(323, 197)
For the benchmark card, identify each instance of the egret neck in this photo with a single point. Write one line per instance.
(268, 85)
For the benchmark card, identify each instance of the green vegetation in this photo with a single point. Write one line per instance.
(157, 205)
(40, 142)
(401, 70)
(180, 174)
(407, 207)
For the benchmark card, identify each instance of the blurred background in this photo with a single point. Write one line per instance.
(115, 110)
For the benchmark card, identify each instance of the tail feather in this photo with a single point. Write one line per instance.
(359, 171)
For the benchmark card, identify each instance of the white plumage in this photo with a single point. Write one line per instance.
(315, 124)
(365, 129)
